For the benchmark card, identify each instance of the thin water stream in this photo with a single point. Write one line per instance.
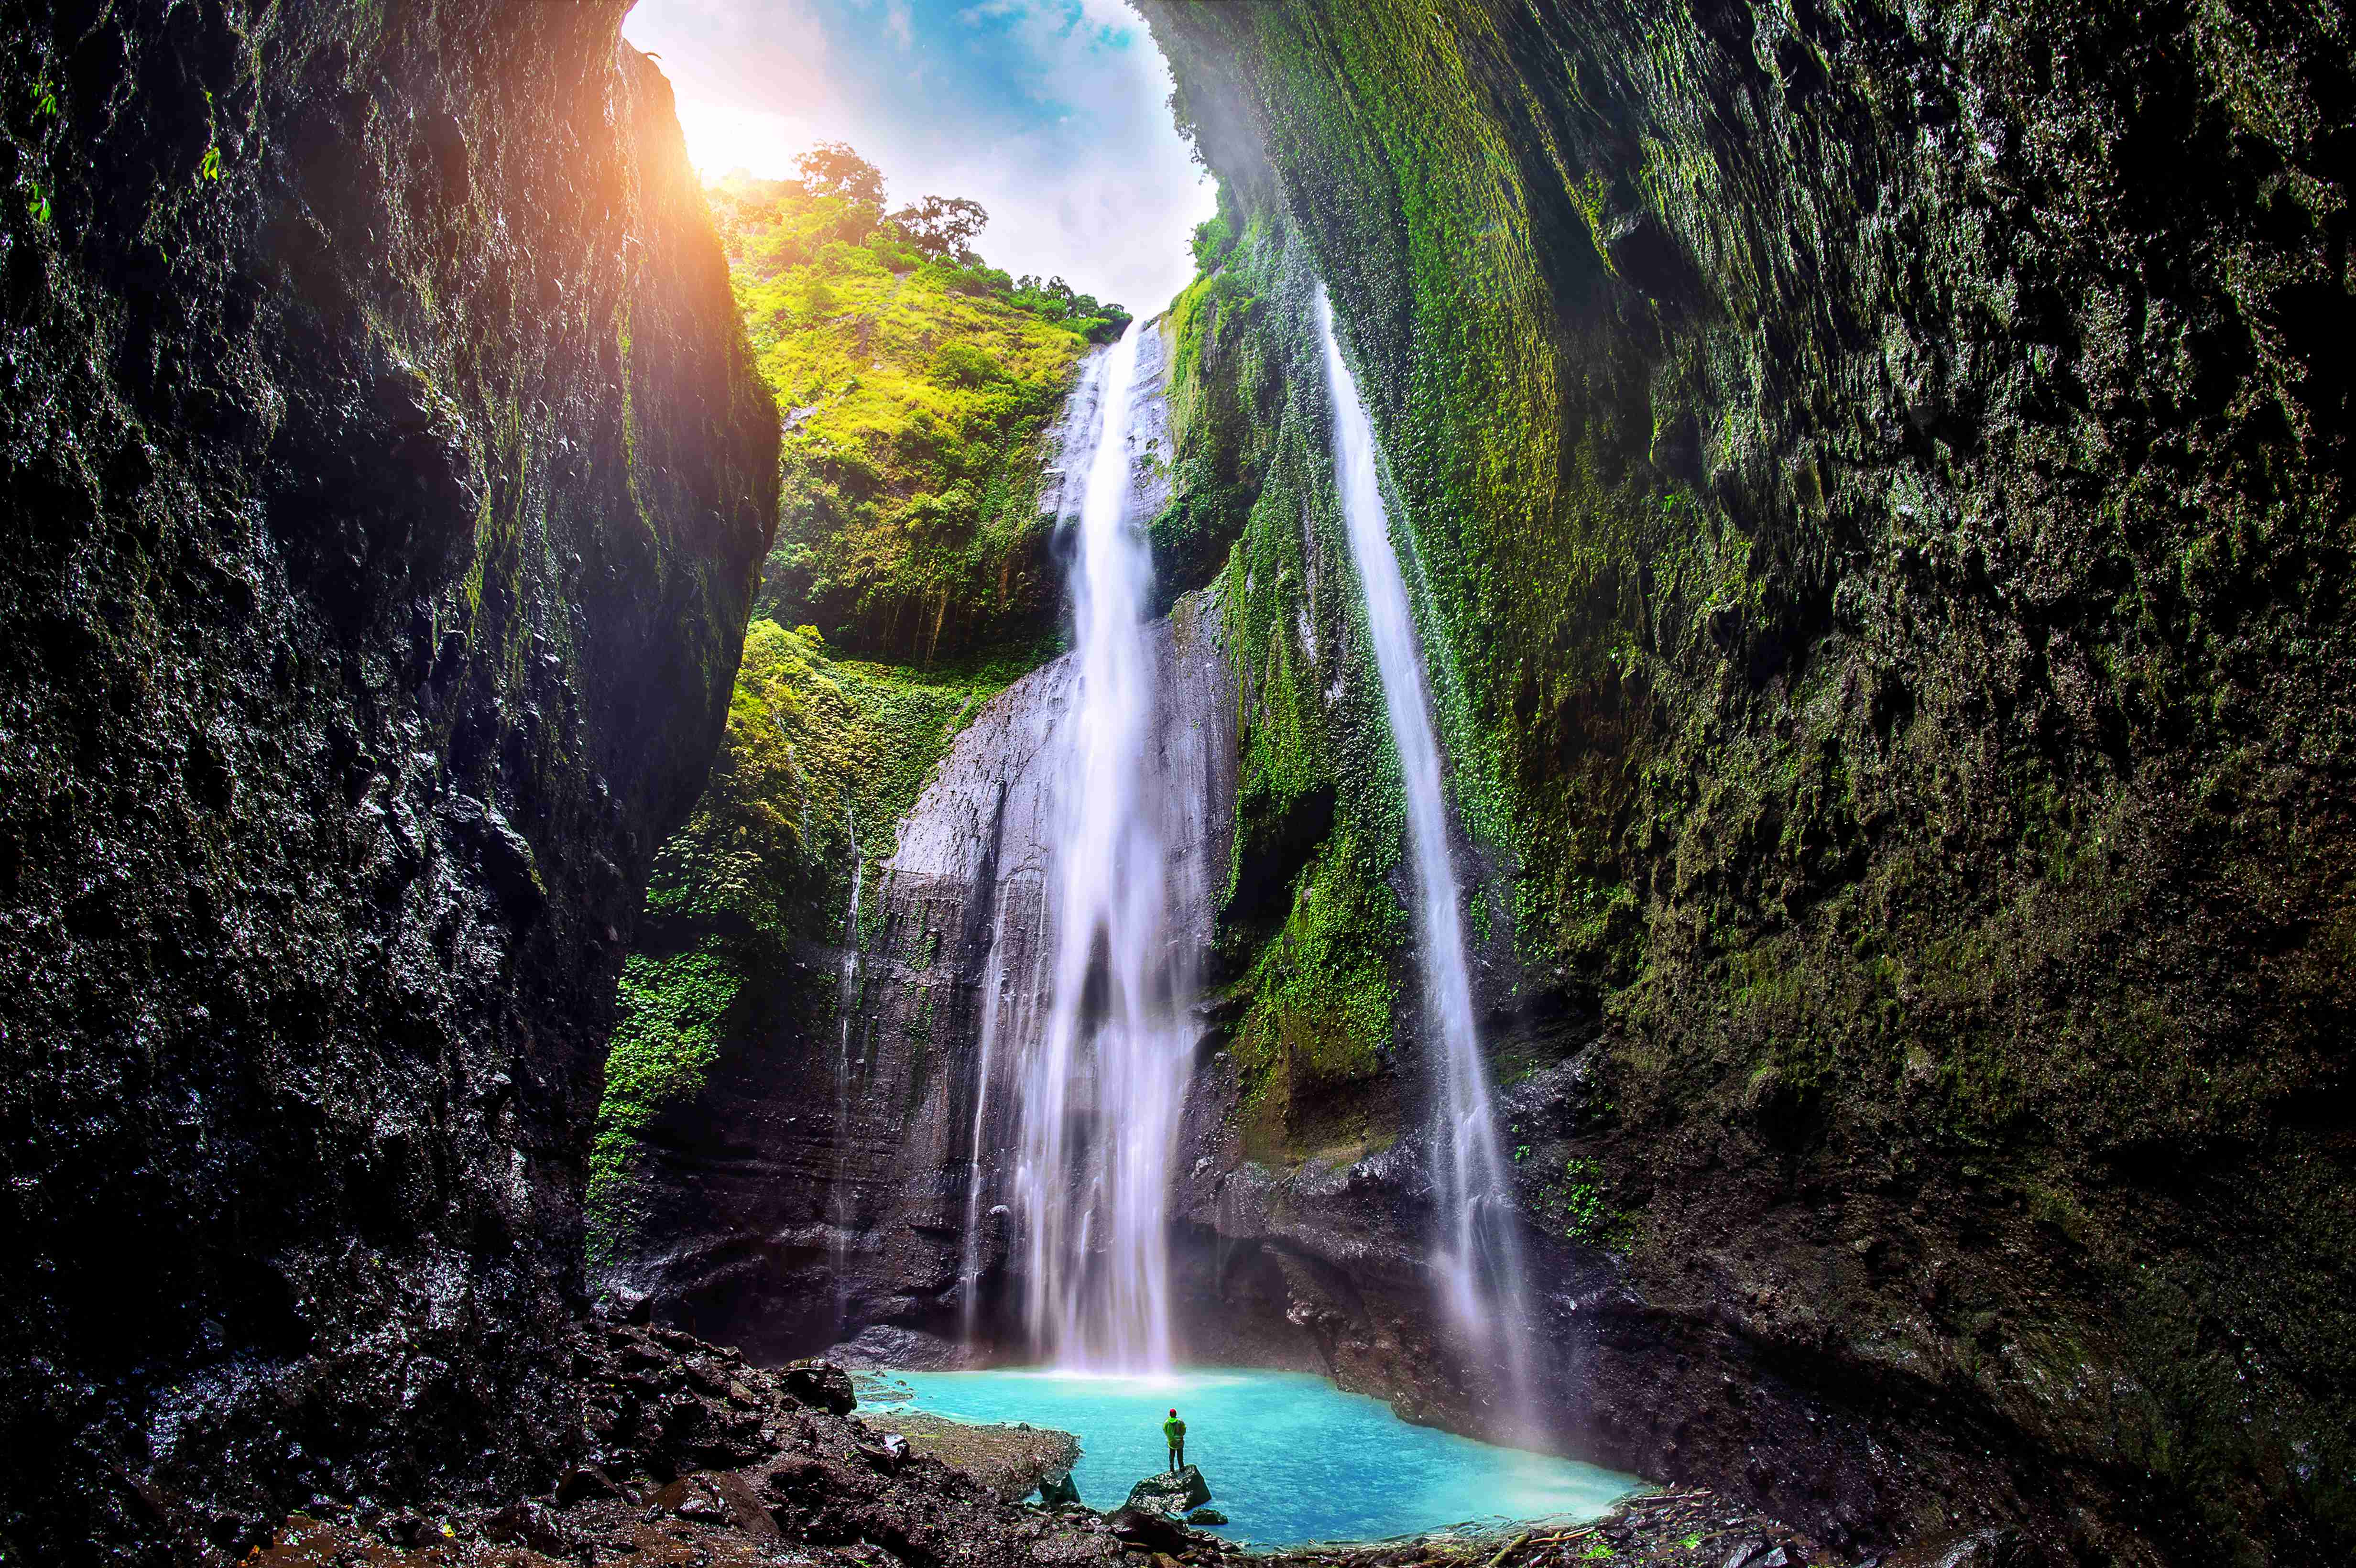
(1479, 1258)
(847, 1004)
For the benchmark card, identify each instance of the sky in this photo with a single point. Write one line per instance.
(1050, 113)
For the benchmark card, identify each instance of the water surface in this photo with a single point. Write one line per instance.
(1290, 1457)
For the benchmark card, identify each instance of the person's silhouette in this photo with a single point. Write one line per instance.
(1175, 1430)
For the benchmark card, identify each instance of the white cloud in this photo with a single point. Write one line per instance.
(1062, 136)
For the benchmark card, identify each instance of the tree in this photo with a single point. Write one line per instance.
(831, 168)
(942, 226)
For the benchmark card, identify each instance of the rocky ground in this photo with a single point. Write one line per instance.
(696, 1457)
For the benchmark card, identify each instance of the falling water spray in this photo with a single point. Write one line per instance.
(847, 1005)
(1479, 1253)
(1101, 1085)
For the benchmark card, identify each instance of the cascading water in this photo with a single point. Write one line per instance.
(847, 1004)
(1479, 1257)
(1009, 1010)
(1101, 1086)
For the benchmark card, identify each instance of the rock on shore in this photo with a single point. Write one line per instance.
(1011, 1461)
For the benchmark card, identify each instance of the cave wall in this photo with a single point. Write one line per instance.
(1877, 473)
(385, 481)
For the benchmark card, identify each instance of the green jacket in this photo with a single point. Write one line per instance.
(1174, 1430)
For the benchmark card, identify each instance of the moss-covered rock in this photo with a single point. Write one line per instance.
(821, 759)
(1876, 474)
(920, 390)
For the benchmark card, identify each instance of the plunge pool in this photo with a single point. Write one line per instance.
(1290, 1457)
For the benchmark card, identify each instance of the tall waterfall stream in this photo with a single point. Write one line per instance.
(1094, 1042)
(1102, 1084)
(1479, 1258)
(839, 1234)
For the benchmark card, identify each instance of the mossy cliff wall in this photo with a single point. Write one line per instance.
(1315, 968)
(1878, 477)
(386, 478)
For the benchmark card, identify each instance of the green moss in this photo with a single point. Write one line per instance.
(819, 753)
(1575, 1204)
(919, 394)
(1848, 715)
(668, 1033)
(1323, 998)
(1311, 929)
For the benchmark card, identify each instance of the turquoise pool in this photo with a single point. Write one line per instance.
(1290, 1457)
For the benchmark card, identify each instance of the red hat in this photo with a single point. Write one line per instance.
(1174, 1412)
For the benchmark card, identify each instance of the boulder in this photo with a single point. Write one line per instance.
(1146, 1528)
(888, 1453)
(405, 1529)
(531, 1524)
(719, 1498)
(1055, 1491)
(584, 1483)
(1206, 1517)
(821, 1384)
(1171, 1494)
(883, 1347)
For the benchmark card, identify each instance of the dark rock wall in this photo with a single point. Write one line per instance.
(385, 478)
(1879, 472)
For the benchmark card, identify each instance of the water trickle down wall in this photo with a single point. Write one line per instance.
(847, 1004)
(1477, 1254)
(1084, 1031)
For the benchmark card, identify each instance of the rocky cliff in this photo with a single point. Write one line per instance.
(386, 480)
(814, 1171)
(1877, 474)
(823, 1176)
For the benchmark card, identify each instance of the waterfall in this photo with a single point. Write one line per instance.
(1479, 1256)
(1100, 1087)
(1008, 1011)
(846, 1004)
(993, 1005)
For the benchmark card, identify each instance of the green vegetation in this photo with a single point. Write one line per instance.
(1574, 1204)
(1321, 994)
(670, 1009)
(819, 751)
(209, 167)
(918, 386)
(1311, 927)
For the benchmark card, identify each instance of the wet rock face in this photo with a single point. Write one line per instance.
(1877, 507)
(822, 1178)
(386, 480)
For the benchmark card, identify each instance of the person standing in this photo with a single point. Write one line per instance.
(1175, 1430)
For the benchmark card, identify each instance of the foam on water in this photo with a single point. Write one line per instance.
(1290, 1457)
